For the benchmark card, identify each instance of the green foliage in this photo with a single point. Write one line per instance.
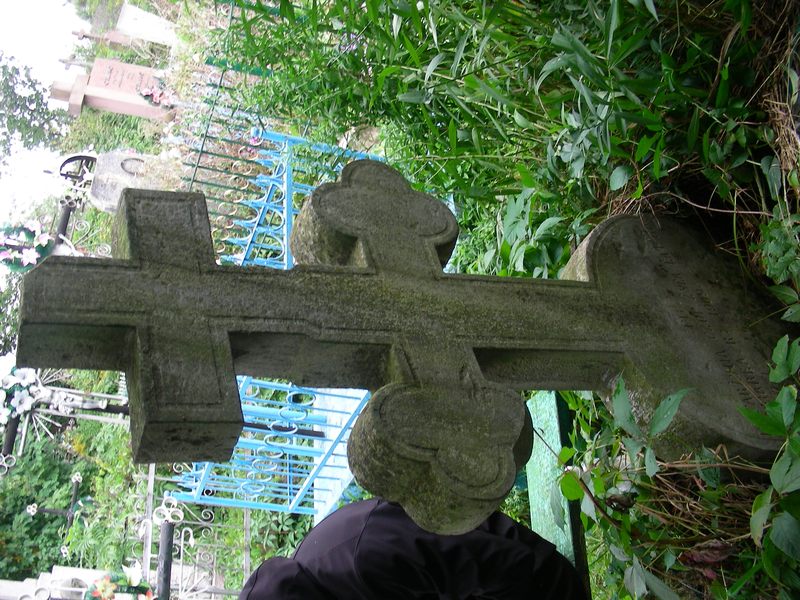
(775, 515)
(103, 131)
(439, 77)
(103, 382)
(101, 536)
(675, 529)
(778, 251)
(96, 236)
(277, 534)
(532, 239)
(516, 505)
(601, 98)
(663, 109)
(9, 316)
(29, 545)
(24, 114)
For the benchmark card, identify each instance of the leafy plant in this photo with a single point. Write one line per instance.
(775, 517)
(32, 544)
(24, 114)
(670, 529)
(516, 505)
(616, 461)
(101, 536)
(530, 242)
(778, 250)
(103, 382)
(436, 75)
(277, 534)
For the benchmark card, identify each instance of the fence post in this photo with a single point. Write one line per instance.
(164, 577)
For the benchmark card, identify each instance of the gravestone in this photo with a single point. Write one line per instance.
(115, 171)
(137, 23)
(113, 86)
(444, 433)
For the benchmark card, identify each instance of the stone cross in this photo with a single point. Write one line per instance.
(369, 307)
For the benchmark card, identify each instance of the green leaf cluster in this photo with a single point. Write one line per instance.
(102, 537)
(532, 239)
(631, 502)
(606, 469)
(24, 114)
(453, 82)
(611, 94)
(775, 515)
(30, 545)
(778, 251)
(277, 534)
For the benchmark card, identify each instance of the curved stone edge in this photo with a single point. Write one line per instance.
(417, 479)
(681, 437)
(318, 239)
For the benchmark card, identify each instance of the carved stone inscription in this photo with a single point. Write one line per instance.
(121, 77)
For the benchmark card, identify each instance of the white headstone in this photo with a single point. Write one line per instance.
(140, 24)
(120, 169)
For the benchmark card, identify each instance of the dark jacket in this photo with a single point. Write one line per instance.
(372, 550)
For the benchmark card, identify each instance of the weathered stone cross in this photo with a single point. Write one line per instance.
(370, 307)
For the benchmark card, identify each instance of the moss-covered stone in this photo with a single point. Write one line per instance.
(371, 308)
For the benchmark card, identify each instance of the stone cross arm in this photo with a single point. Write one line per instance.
(130, 314)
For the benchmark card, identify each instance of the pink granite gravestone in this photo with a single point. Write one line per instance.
(113, 86)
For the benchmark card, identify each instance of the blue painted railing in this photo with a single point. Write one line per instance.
(265, 242)
(292, 454)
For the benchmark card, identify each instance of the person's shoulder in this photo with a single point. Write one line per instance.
(353, 515)
(388, 535)
(282, 579)
(339, 532)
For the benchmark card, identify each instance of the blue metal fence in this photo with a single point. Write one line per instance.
(291, 456)
(289, 161)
